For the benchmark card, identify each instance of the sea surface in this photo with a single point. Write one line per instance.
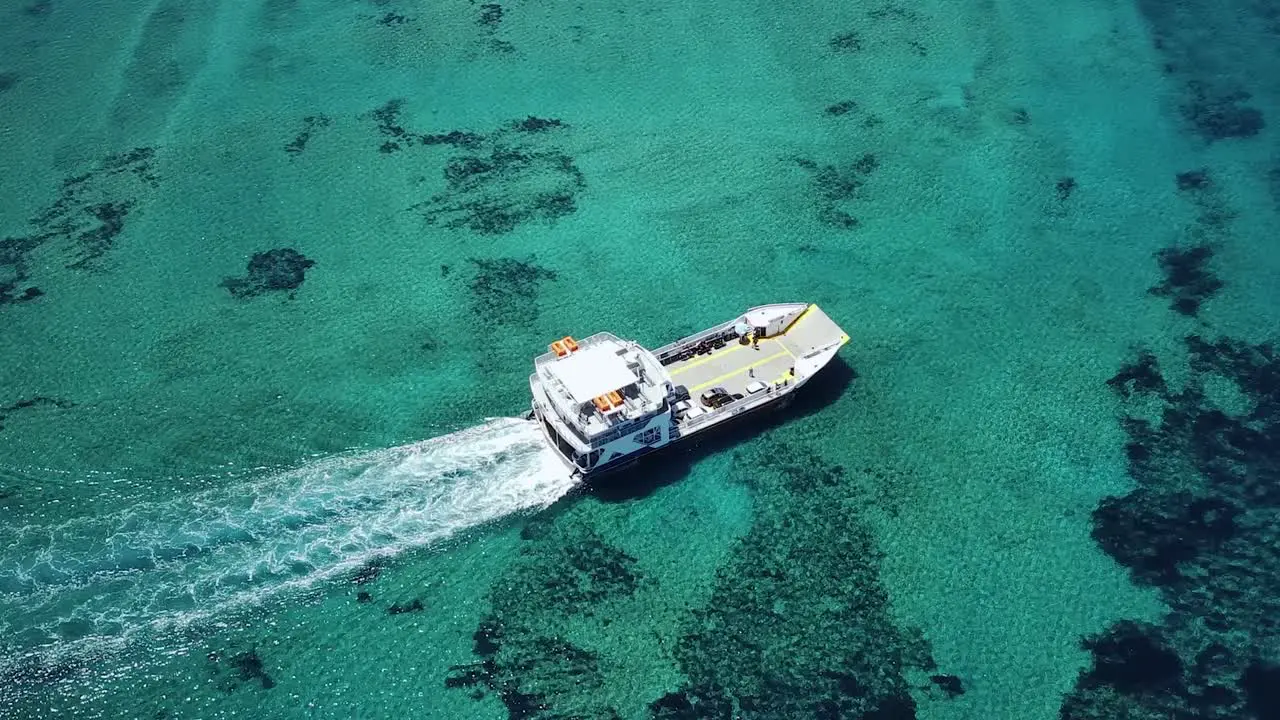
(273, 274)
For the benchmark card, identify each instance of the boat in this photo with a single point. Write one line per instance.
(604, 402)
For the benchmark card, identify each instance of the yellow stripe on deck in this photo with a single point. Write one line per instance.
(741, 370)
(795, 323)
(707, 359)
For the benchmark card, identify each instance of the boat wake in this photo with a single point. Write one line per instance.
(188, 558)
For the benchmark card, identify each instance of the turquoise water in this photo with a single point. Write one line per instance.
(272, 276)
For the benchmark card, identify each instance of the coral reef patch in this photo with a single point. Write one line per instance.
(569, 571)
(310, 124)
(490, 22)
(393, 18)
(1214, 215)
(1193, 180)
(81, 225)
(1188, 282)
(456, 138)
(841, 108)
(272, 270)
(849, 42)
(491, 194)
(1201, 525)
(1216, 115)
(31, 402)
(836, 186)
(798, 625)
(1065, 187)
(501, 179)
(413, 606)
(239, 669)
(39, 8)
(387, 118)
(490, 15)
(533, 124)
(504, 291)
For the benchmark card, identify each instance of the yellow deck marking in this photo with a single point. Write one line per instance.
(776, 339)
(739, 371)
(713, 356)
(799, 317)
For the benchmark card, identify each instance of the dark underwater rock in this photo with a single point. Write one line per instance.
(1065, 187)
(841, 108)
(410, 607)
(490, 15)
(39, 8)
(834, 651)
(387, 118)
(491, 194)
(1188, 281)
(1221, 115)
(850, 42)
(9, 291)
(533, 124)
(949, 684)
(1139, 376)
(1261, 686)
(1132, 659)
(456, 138)
(97, 240)
(569, 571)
(32, 402)
(273, 270)
(246, 666)
(250, 667)
(1193, 180)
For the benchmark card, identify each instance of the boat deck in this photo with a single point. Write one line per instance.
(735, 365)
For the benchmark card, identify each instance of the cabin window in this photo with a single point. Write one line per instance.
(648, 437)
(564, 447)
(588, 461)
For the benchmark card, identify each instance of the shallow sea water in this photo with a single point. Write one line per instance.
(273, 273)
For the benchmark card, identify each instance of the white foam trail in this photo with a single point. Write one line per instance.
(191, 556)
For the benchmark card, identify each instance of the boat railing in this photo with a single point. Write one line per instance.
(736, 407)
(617, 432)
(664, 353)
(624, 428)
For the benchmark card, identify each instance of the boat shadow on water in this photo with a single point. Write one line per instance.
(673, 464)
